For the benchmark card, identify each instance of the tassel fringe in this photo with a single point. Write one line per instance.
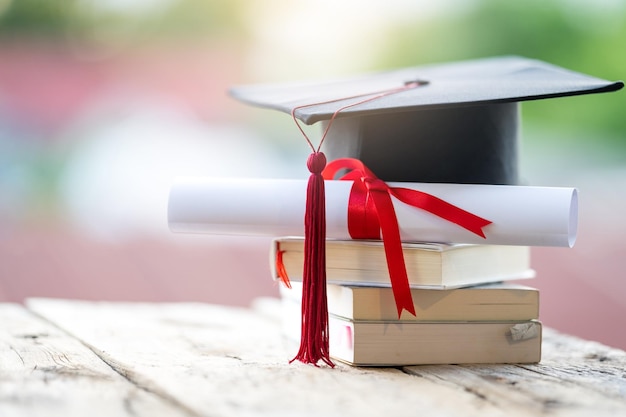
(314, 344)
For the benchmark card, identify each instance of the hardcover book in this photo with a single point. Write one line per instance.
(428, 265)
(489, 302)
(368, 343)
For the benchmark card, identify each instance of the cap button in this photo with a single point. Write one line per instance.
(316, 162)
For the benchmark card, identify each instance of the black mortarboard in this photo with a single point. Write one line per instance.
(460, 126)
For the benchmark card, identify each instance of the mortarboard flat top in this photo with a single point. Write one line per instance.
(490, 80)
(462, 126)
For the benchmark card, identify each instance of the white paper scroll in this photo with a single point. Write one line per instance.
(520, 215)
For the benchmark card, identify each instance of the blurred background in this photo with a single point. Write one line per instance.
(103, 102)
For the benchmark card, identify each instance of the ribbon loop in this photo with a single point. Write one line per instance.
(371, 214)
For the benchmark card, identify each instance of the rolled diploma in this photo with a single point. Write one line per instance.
(520, 215)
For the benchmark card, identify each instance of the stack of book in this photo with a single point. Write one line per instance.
(467, 308)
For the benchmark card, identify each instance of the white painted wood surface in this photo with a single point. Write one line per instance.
(45, 372)
(207, 360)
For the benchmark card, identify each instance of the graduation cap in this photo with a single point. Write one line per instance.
(455, 123)
(460, 126)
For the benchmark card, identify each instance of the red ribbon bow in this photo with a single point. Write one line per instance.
(371, 212)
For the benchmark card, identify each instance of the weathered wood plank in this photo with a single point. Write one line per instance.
(228, 361)
(43, 371)
(591, 364)
(572, 385)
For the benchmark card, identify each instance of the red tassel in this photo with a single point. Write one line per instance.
(314, 330)
(314, 333)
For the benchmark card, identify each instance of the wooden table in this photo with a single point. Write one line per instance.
(73, 358)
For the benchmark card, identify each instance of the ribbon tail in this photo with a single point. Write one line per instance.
(393, 251)
(441, 208)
